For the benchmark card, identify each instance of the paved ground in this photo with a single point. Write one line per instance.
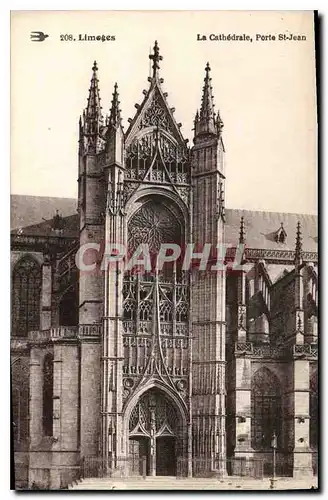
(173, 483)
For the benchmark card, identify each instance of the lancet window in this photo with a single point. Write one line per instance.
(26, 289)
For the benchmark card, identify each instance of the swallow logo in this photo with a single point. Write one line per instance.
(38, 36)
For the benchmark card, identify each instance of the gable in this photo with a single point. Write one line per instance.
(154, 112)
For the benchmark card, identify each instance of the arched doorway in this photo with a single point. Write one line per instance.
(155, 434)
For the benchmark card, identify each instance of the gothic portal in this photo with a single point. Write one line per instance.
(175, 371)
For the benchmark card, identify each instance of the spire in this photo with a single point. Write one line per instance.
(207, 123)
(115, 112)
(242, 236)
(207, 107)
(298, 246)
(93, 110)
(92, 115)
(155, 58)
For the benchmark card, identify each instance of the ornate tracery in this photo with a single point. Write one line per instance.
(153, 224)
(154, 413)
(156, 303)
(155, 157)
(26, 289)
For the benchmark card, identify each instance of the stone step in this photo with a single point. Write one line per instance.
(169, 483)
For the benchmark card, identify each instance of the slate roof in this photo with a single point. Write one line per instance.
(261, 227)
(29, 212)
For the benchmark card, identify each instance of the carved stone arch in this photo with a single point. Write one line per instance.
(268, 375)
(36, 256)
(174, 396)
(27, 257)
(156, 220)
(142, 193)
(155, 426)
(149, 130)
(177, 403)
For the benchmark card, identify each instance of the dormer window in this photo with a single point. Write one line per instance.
(281, 235)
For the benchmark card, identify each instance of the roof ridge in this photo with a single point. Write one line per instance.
(42, 196)
(272, 212)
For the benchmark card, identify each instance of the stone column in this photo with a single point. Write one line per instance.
(302, 463)
(243, 419)
(46, 290)
(35, 409)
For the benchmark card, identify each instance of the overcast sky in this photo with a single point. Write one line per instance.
(265, 91)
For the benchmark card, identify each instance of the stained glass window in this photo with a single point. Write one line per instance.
(26, 290)
(20, 398)
(266, 409)
(153, 224)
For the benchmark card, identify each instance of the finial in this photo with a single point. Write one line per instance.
(298, 246)
(115, 113)
(242, 237)
(92, 116)
(207, 123)
(155, 58)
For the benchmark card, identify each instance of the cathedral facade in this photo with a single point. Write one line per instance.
(177, 370)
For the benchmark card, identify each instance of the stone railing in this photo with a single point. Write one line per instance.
(305, 350)
(272, 351)
(259, 351)
(53, 333)
(90, 330)
(65, 332)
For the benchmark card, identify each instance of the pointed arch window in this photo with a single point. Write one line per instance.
(26, 291)
(266, 409)
(20, 398)
(48, 383)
